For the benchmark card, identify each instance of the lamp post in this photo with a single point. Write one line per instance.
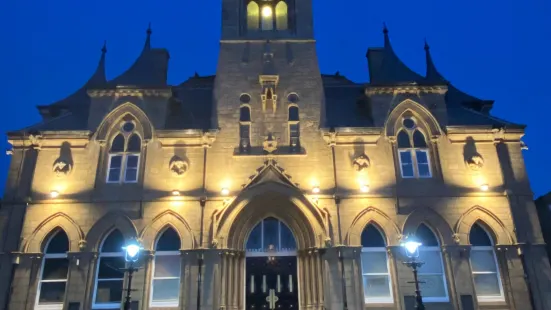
(412, 252)
(131, 255)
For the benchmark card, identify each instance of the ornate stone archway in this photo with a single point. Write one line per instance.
(233, 224)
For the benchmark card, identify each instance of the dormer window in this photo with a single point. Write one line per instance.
(413, 151)
(124, 155)
(267, 15)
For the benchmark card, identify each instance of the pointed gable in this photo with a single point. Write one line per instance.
(269, 173)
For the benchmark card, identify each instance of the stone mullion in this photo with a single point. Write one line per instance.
(450, 278)
(91, 262)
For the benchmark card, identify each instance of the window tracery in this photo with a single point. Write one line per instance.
(413, 151)
(124, 155)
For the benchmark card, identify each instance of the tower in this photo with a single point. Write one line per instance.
(267, 70)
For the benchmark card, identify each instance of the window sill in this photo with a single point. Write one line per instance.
(107, 306)
(436, 299)
(164, 305)
(49, 307)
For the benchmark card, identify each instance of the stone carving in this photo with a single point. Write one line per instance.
(475, 162)
(361, 162)
(178, 166)
(62, 167)
(270, 144)
(214, 244)
(456, 238)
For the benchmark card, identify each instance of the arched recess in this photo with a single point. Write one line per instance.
(432, 219)
(167, 218)
(143, 124)
(270, 200)
(478, 213)
(423, 116)
(105, 225)
(372, 215)
(43, 231)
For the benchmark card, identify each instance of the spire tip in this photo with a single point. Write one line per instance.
(385, 29)
(149, 29)
(427, 47)
(104, 48)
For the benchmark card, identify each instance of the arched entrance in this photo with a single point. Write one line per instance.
(271, 267)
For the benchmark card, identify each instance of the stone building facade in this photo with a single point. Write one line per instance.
(270, 185)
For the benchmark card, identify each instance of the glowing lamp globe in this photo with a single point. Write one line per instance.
(132, 252)
(412, 248)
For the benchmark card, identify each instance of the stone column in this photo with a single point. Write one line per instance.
(189, 279)
(351, 258)
(88, 263)
(332, 279)
(211, 271)
(143, 289)
(77, 278)
(25, 281)
(458, 272)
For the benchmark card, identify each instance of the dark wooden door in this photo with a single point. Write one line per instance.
(271, 283)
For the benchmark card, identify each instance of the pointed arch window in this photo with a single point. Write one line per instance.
(244, 129)
(432, 272)
(485, 269)
(267, 15)
(253, 16)
(271, 236)
(375, 268)
(124, 155)
(108, 286)
(165, 283)
(53, 276)
(413, 151)
(294, 129)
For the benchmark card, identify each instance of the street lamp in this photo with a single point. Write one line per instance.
(131, 255)
(411, 247)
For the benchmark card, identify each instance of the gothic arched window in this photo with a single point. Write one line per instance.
(375, 269)
(294, 129)
(253, 16)
(487, 280)
(271, 235)
(267, 15)
(432, 273)
(413, 151)
(124, 155)
(165, 285)
(110, 275)
(244, 129)
(53, 277)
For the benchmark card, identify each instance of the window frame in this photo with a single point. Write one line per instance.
(378, 300)
(278, 252)
(101, 255)
(482, 298)
(412, 150)
(438, 250)
(125, 154)
(165, 304)
(51, 306)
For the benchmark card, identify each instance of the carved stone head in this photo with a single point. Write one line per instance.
(62, 168)
(475, 162)
(178, 166)
(361, 162)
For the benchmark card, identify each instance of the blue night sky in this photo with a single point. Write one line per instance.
(493, 49)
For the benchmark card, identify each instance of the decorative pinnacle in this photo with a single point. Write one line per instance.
(385, 29)
(149, 29)
(427, 47)
(104, 48)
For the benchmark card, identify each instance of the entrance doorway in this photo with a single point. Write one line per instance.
(271, 267)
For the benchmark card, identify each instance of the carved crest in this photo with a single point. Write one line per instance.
(270, 144)
(178, 166)
(475, 162)
(361, 162)
(62, 168)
